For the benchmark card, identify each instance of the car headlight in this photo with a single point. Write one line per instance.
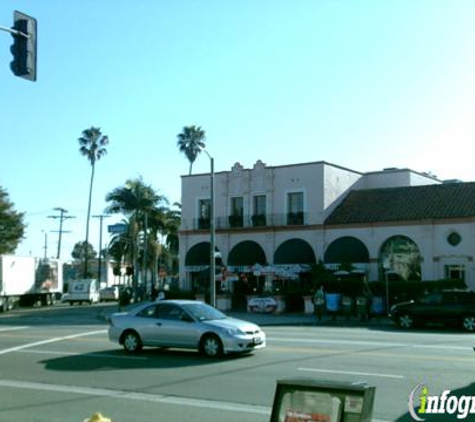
(234, 332)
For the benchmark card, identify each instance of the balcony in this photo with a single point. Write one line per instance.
(239, 222)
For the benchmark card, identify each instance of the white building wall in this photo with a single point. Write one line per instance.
(324, 185)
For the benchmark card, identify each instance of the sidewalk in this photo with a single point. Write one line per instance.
(286, 319)
(301, 319)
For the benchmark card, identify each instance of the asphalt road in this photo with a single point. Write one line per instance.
(58, 365)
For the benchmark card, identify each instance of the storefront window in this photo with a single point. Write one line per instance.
(454, 272)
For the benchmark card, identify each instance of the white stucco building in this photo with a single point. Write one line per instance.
(291, 216)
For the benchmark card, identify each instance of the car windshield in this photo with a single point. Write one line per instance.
(203, 312)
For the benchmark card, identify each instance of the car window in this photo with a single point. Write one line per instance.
(203, 312)
(148, 312)
(432, 299)
(452, 297)
(466, 298)
(171, 312)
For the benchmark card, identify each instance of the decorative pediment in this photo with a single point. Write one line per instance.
(237, 168)
(259, 166)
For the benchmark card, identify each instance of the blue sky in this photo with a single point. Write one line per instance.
(362, 84)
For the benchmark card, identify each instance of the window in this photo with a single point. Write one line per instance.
(169, 312)
(454, 272)
(259, 216)
(237, 211)
(148, 312)
(295, 208)
(454, 238)
(204, 213)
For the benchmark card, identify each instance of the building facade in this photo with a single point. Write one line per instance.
(275, 222)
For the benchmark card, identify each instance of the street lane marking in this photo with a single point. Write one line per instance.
(13, 328)
(362, 352)
(438, 346)
(349, 342)
(365, 343)
(369, 374)
(51, 340)
(130, 395)
(155, 398)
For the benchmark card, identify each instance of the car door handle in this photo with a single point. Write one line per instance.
(159, 324)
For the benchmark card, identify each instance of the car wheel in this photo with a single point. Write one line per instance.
(469, 323)
(211, 346)
(405, 321)
(132, 342)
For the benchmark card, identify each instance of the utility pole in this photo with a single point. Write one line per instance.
(45, 247)
(61, 217)
(101, 218)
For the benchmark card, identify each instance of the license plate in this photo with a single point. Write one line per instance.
(257, 340)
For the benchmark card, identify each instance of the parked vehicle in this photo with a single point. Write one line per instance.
(80, 291)
(454, 307)
(29, 281)
(110, 293)
(187, 324)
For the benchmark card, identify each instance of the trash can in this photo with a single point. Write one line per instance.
(347, 306)
(308, 399)
(362, 307)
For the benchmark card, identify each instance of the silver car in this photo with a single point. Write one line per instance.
(185, 324)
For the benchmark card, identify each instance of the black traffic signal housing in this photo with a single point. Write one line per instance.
(24, 46)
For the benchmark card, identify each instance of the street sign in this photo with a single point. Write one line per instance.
(117, 228)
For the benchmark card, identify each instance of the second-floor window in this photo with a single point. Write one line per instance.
(295, 208)
(204, 213)
(237, 212)
(259, 215)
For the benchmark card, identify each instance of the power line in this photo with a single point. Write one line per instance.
(61, 217)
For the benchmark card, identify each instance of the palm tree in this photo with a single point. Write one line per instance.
(191, 141)
(92, 144)
(141, 204)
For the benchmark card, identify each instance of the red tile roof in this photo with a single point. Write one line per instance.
(451, 200)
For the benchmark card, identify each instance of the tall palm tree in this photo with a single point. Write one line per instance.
(191, 141)
(92, 144)
(141, 204)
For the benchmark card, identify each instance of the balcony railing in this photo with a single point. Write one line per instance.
(237, 222)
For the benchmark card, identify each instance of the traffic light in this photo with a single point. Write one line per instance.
(24, 46)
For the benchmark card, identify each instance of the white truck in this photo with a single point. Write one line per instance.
(84, 290)
(29, 281)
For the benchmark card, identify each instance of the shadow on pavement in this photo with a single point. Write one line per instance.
(112, 360)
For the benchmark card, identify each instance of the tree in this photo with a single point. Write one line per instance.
(92, 144)
(191, 141)
(143, 207)
(12, 228)
(83, 251)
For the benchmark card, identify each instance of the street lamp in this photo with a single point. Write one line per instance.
(212, 264)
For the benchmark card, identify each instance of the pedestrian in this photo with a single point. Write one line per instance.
(319, 302)
(161, 295)
(97, 417)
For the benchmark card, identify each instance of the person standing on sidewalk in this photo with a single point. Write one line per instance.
(319, 302)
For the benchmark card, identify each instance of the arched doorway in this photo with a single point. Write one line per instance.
(346, 250)
(243, 259)
(294, 257)
(197, 263)
(399, 255)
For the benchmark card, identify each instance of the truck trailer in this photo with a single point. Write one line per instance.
(29, 281)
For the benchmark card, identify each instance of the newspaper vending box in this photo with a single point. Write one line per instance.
(310, 400)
